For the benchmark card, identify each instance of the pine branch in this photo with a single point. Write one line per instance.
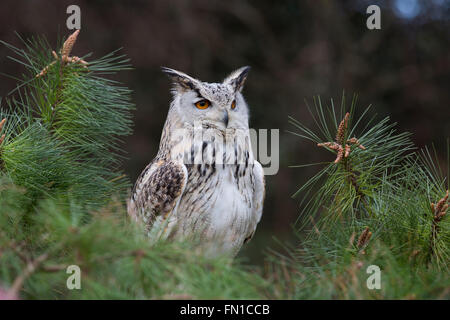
(438, 210)
(30, 268)
(77, 112)
(389, 182)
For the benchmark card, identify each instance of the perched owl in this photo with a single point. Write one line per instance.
(204, 184)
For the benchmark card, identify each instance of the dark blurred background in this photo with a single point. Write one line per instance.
(297, 49)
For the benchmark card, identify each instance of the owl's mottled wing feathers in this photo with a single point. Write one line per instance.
(258, 197)
(157, 191)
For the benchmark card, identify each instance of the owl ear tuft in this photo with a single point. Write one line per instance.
(180, 79)
(237, 78)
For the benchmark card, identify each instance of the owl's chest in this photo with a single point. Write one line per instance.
(219, 187)
(218, 201)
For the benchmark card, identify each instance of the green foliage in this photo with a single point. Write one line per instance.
(28, 152)
(116, 259)
(384, 192)
(72, 119)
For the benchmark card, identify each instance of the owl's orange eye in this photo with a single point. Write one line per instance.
(202, 104)
(233, 105)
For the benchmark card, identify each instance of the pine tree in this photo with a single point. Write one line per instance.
(379, 203)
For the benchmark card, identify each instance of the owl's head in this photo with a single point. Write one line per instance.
(217, 105)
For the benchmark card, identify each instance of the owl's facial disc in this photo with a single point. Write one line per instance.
(219, 105)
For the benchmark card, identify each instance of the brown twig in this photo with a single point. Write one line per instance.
(54, 268)
(438, 210)
(31, 265)
(363, 239)
(342, 147)
(29, 270)
(2, 137)
(65, 57)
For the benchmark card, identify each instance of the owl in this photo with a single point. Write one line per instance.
(204, 185)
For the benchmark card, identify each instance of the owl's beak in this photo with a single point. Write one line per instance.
(225, 118)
